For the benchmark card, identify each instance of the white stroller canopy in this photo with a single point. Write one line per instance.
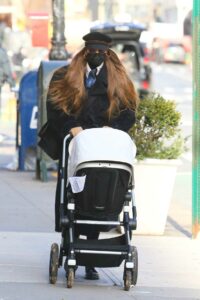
(100, 144)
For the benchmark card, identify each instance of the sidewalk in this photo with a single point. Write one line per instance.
(169, 266)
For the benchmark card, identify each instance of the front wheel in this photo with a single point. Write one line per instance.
(53, 263)
(127, 280)
(70, 278)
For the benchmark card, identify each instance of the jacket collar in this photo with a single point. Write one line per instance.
(88, 69)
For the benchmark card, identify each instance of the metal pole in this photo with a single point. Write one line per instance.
(196, 121)
(93, 6)
(108, 7)
(58, 41)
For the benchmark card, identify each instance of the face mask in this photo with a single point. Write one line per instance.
(95, 59)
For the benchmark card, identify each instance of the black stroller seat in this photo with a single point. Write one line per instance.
(103, 193)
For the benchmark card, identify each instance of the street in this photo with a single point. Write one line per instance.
(174, 82)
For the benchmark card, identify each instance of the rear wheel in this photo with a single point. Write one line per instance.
(53, 263)
(135, 268)
(70, 277)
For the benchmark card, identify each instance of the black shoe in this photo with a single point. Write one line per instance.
(91, 273)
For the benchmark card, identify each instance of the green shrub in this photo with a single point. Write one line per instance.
(157, 132)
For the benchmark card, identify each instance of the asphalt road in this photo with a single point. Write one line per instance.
(174, 82)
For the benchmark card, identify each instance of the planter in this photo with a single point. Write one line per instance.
(154, 182)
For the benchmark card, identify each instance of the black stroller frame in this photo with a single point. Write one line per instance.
(84, 252)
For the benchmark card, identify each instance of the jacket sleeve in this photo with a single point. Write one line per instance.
(124, 121)
(58, 120)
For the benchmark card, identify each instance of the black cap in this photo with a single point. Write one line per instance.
(97, 40)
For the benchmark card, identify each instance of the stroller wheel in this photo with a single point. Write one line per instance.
(131, 275)
(53, 263)
(135, 269)
(127, 279)
(70, 278)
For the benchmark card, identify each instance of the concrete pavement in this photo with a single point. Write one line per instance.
(169, 265)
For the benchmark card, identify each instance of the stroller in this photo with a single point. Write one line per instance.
(98, 186)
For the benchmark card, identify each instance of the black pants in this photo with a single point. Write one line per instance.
(91, 232)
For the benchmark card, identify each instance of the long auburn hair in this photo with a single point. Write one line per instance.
(69, 93)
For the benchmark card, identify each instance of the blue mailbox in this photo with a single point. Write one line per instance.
(28, 110)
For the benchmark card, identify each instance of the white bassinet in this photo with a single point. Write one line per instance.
(100, 144)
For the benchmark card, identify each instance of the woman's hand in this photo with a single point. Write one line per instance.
(74, 131)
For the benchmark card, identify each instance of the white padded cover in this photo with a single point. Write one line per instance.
(100, 144)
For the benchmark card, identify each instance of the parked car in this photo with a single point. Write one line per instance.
(126, 43)
(175, 53)
(145, 41)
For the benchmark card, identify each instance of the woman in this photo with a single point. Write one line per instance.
(94, 91)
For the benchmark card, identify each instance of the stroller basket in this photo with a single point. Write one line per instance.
(90, 252)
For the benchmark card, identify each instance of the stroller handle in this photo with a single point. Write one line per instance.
(66, 138)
